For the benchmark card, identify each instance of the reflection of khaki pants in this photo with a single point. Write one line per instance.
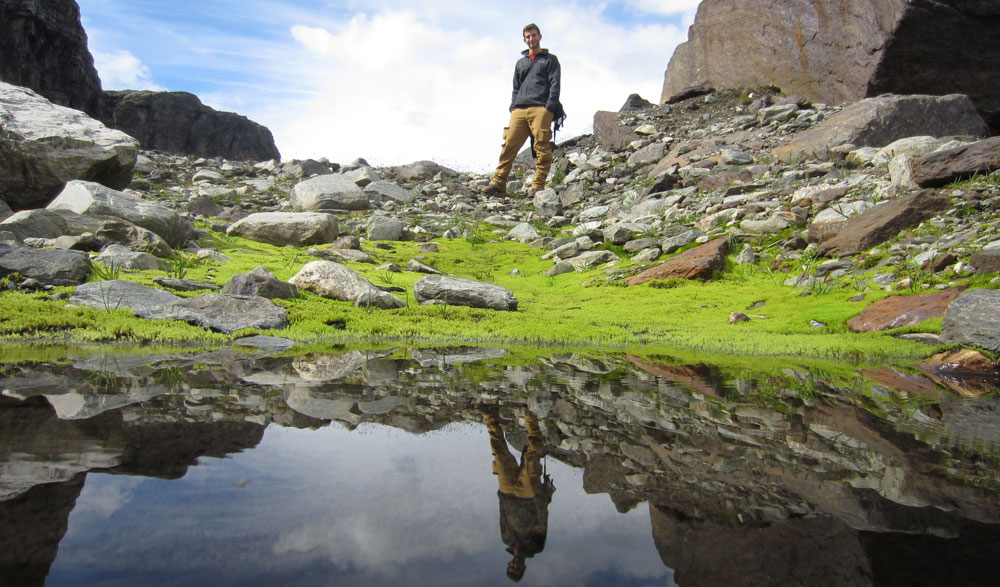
(524, 480)
(536, 121)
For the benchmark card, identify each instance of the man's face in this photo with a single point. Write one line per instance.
(532, 39)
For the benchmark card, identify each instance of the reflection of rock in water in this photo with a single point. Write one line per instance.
(38, 448)
(31, 526)
(766, 453)
(803, 552)
(821, 551)
(44, 461)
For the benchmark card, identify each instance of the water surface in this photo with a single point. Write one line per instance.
(421, 467)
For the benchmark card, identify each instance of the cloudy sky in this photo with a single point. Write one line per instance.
(387, 80)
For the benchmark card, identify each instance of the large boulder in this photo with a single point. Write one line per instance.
(339, 282)
(697, 263)
(49, 266)
(89, 198)
(287, 228)
(876, 225)
(421, 171)
(35, 224)
(259, 282)
(225, 313)
(44, 47)
(610, 133)
(839, 51)
(177, 122)
(219, 312)
(334, 191)
(878, 122)
(43, 146)
(452, 291)
(900, 311)
(974, 319)
(943, 167)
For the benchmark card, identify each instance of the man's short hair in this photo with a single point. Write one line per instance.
(529, 27)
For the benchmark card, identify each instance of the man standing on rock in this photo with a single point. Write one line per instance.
(534, 106)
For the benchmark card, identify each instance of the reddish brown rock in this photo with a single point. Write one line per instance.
(899, 311)
(902, 381)
(723, 179)
(610, 133)
(882, 222)
(944, 167)
(696, 263)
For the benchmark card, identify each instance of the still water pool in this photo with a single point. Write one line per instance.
(467, 466)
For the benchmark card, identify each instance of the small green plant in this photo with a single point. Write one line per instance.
(101, 272)
(385, 276)
(476, 237)
(179, 264)
(559, 175)
(444, 310)
(108, 301)
(483, 275)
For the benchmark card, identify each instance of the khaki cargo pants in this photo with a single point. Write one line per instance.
(536, 121)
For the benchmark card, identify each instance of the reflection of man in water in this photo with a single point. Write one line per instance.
(525, 492)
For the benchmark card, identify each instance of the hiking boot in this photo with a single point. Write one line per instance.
(492, 190)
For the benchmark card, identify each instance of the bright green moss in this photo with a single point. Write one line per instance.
(562, 310)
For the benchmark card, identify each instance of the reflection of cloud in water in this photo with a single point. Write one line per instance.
(410, 498)
(375, 504)
(402, 501)
(103, 495)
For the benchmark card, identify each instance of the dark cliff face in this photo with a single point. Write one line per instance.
(43, 47)
(840, 51)
(177, 122)
(945, 48)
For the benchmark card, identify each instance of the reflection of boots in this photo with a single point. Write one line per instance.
(491, 415)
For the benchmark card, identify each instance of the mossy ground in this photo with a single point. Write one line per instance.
(574, 309)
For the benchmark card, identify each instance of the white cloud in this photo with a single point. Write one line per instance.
(664, 7)
(121, 70)
(398, 86)
(388, 80)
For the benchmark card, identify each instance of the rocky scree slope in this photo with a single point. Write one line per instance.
(651, 181)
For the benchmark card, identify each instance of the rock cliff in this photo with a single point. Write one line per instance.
(43, 47)
(839, 52)
(177, 122)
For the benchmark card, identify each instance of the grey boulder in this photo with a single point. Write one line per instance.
(333, 191)
(287, 228)
(259, 282)
(89, 198)
(974, 319)
(43, 146)
(49, 266)
(339, 282)
(219, 312)
(437, 289)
